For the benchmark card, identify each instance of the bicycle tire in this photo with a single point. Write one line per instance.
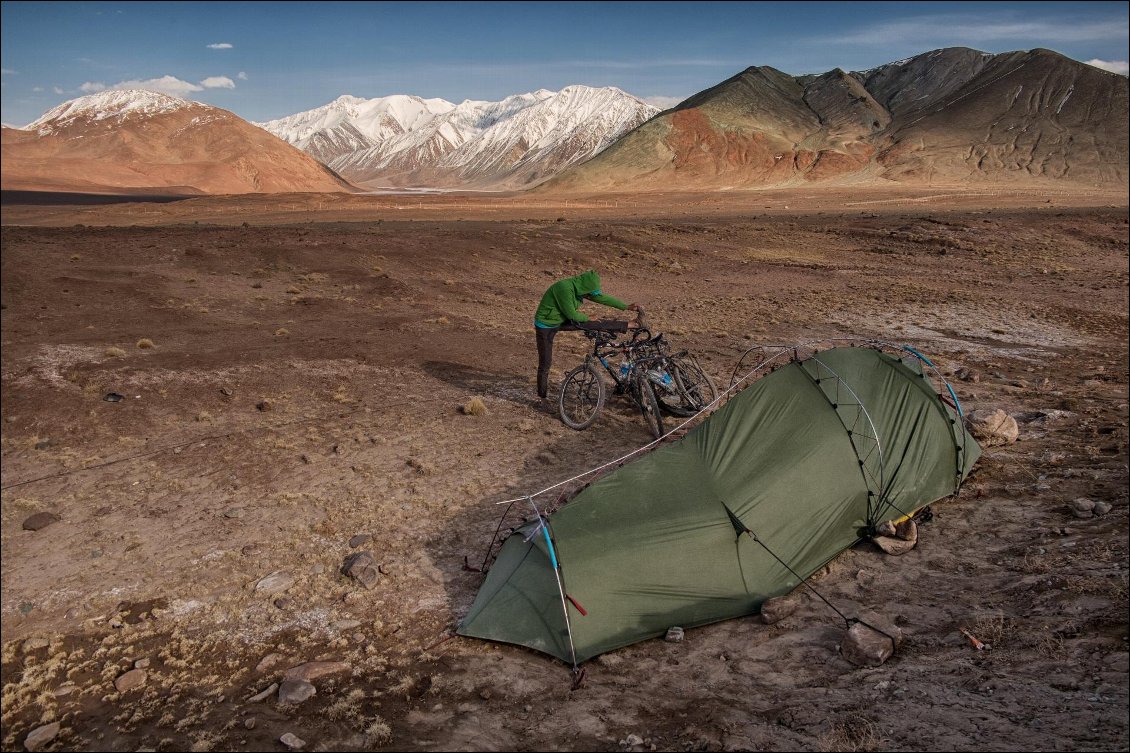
(674, 399)
(695, 386)
(581, 398)
(644, 396)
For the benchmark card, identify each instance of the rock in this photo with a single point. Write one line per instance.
(1102, 508)
(993, 427)
(359, 539)
(292, 741)
(275, 583)
(967, 375)
(141, 664)
(632, 740)
(296, 691)
(484, 694)
(318, 569)
(34, 644)
(40, 520)
(264, 695)
(902, 539)
(40, 737)
(249, 723)
(674, 635)
(282, 603)
(362, 568)
(269, 661)
(867, 647)
(345, 624)
(64, 690)
(313, 670)
(233, 512)
(264, 405)
(1082, 507)
(132, 679)
(43, 444)
(776, 609)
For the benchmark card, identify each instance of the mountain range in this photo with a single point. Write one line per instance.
(136, 140)
(514, 143)
(950, 116)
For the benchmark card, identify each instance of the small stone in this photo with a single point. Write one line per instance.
(359, 638)
(776, 609)
(903, 538)
(264, 405)
(313, 670)
(868, 647)
(674, 635)
(1082, 507)
(132, 679)
(631, 740)
(318, 569)
(362, 568)
(292, 741)
(275, 583)
(1102, 508)
(359, 539)
(282, 602)
(233, 512)
(40, 520)
(226, 392)
(249, 550)
(484, 694)
(41, 737)
(43, 444)
(64, 690)
(993, 427)
(141, 664)
(265, 694)
(249, 723)
(269, 661)
(296, 691)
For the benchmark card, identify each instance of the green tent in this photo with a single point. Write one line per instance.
(791, 471)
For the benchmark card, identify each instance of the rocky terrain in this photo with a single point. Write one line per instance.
(212, 407)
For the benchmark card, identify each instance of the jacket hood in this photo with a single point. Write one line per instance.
(587, 282)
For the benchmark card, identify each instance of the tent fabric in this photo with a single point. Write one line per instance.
(808, 460)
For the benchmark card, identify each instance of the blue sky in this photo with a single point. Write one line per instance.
(263, 60)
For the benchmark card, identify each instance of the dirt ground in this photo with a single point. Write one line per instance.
(292, 372)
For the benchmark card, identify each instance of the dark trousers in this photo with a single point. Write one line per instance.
(545, 337)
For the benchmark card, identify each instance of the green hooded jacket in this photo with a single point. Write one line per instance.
(561, 303)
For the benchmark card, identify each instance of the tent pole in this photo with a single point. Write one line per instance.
(557, 574)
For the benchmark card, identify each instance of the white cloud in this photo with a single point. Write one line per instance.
(37, 88)
(165, 84)
(7, 71)
(663, 103)
(241, 76)
(57, 90)
(964, 29)
(220, 46)
(1114, 66)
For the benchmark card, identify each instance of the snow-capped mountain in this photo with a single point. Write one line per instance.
(408, 141)
(139, 139)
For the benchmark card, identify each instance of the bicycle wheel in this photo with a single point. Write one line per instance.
(644, 396)
(695, 386)
(582, 397)
(671, 395)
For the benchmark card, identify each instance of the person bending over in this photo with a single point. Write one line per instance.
(560, 310)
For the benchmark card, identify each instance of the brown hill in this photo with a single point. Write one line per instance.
(953, 115)
(120, 140)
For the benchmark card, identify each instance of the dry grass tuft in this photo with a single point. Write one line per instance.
(475, 407)
(114, 352)
(377, 733)
(853, 734)
(145, 343)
